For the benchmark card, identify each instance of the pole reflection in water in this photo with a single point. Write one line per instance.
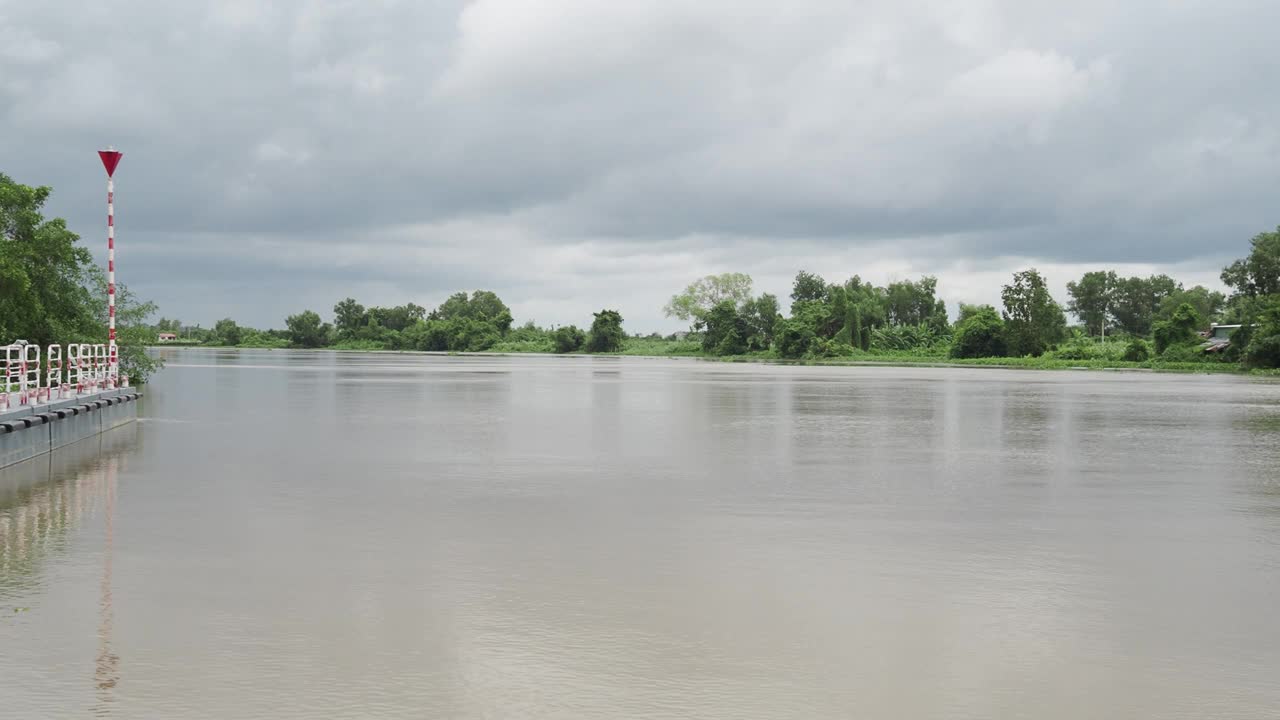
(108, 665)
(48, 505)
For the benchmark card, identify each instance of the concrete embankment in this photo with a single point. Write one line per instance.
(32, 430)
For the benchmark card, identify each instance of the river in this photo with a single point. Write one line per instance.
(326, 535)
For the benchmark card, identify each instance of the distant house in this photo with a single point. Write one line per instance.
(166, 337)
(1218, 338)
(1222, 332)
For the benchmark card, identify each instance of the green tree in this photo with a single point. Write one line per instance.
(857, 335)
(761, 317)
(1135, 301)
(725, 332)
(795, 338)
(569, 339)
(1180, 329)
(915, 303)
(872, 303)
(227, 332)
(45, 274)
(400, 317)
(348, 317)
(1263, 350)
(1090, 299)
(980, 332)
(1259, 273)
(837, 307)
(705, 293)
(1207, 303)
(1137, 351)
(482, 305)
(306, 330)
(167, 325)
(461, 323)
(1033, 321)
(133, 333)
(606, 332)
(807, 287)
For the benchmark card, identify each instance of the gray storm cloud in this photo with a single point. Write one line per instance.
(573, 155)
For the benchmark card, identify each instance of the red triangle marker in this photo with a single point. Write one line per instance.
(110, 158)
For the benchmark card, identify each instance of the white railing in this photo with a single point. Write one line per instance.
(87, 369)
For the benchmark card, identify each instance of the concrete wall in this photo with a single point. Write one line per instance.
(28, 432)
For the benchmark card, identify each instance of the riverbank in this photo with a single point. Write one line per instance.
(644, 350)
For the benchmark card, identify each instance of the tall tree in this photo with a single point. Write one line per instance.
(724, 330)
(306, 330)
(916, 303)
(1263, 350)
(1135, 301)
(761, 317)
(482, 305)
(872, 304)
(1033, 320)
(1208, 303)
(807, 287)
(606, 332)
(227, 332)
(706, 293)
(1259, 273)
(1179, 329)
(1091, 299)
(348, 317)
(399, 317)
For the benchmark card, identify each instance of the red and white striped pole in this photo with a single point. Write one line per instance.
(111, 158)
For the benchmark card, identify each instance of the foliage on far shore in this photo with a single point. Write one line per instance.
(1153, 323)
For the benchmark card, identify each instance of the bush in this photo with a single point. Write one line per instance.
(731, 344)
(1183, 354)
(569, 339)
(364, 345)
(835, 347)
(541, 345)
(1138, 350)
(1264, 345)
(1263, 352)
(980, 334)
(905, 338)
(795, 338)
(1079, 348)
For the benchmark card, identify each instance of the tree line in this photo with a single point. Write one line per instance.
(475, 322)
(1146, 318)
(1142, 319)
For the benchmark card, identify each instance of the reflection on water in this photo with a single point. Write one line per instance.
(45, 499)
(43, 503)
(108, 663)
(317, 534)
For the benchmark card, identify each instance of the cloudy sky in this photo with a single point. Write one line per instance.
(579, 154)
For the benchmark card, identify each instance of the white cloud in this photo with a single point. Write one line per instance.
(1024, 82)
(23, 47)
